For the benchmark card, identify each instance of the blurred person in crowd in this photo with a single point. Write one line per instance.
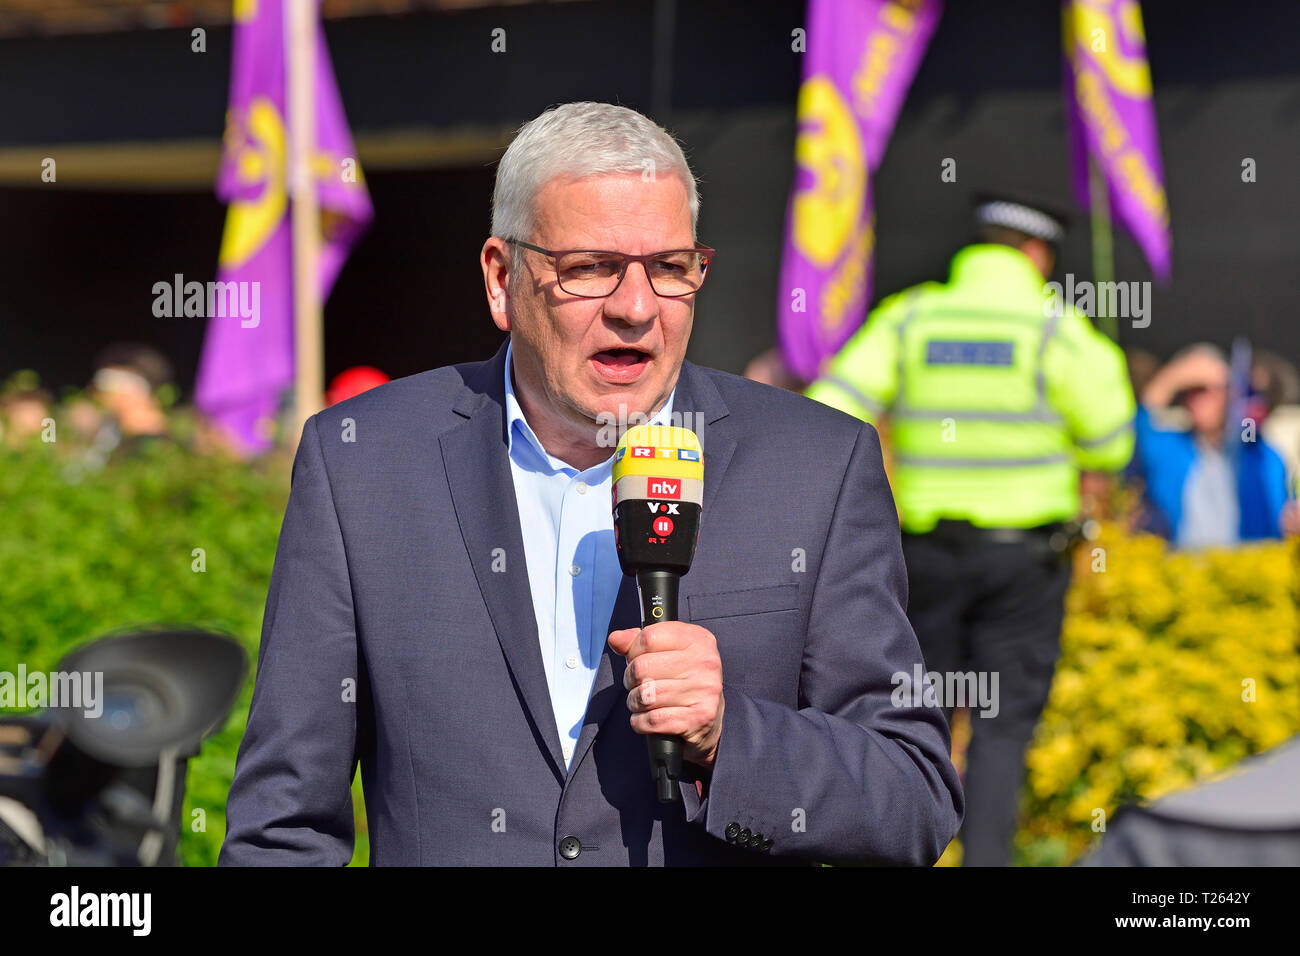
(23, 414)
(1143, 518)
(1142, 367)
(769, 369)
(1277, 382)
(83, 417)
(1210, 489)
(995, 402)
(126, 383)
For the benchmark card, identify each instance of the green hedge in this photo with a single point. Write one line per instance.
(84, 552)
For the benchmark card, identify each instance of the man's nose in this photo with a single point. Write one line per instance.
(634, 301)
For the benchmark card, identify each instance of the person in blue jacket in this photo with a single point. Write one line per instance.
(1202, 489)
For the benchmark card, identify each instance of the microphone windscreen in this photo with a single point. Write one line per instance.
(657, 491)
(659, 462)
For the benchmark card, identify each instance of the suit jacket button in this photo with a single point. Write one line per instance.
(570, 847)
(732, 830)
(767, 845)
(742, 839)
(756, 841)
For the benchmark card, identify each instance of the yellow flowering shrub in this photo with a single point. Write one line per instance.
(1173, 667)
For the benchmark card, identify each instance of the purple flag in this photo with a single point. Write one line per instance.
(1107, 86)
(861, 57)
(247, 362)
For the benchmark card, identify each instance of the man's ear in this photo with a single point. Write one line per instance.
(495, 261)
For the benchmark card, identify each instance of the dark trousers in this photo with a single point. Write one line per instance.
(984, 605)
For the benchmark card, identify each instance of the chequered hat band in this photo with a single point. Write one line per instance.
(1021, 218)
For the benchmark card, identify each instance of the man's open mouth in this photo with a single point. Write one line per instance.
(620, 366)
(621, 358)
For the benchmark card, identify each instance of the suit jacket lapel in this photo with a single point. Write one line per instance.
(477, 465)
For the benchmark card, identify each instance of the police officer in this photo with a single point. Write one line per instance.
(996, 394)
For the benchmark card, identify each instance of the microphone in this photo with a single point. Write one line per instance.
(658, 488)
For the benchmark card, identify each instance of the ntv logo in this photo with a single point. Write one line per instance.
(665, 488)
(1125, 300)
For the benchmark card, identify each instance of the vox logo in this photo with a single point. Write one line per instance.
(664, 487)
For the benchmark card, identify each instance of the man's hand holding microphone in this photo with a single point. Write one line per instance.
(674, 682)
(674, 671)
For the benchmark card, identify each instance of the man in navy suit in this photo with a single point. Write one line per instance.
(447, 607)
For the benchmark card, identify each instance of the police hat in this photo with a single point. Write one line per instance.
(1032, 216)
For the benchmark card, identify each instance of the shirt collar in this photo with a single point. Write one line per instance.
(538, 458)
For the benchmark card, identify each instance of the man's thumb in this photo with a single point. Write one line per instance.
(621, 641)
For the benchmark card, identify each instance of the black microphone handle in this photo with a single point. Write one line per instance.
(659, 603)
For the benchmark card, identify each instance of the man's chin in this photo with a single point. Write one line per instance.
(625, 406)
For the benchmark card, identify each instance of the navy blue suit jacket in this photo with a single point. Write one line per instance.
(400, 571)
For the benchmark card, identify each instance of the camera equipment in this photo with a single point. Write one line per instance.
(100, 781)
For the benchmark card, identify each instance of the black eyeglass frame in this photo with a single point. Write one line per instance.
(625, 260)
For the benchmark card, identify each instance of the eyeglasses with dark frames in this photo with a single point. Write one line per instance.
(595, 274)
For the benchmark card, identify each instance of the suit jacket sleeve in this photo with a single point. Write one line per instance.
(291, 803)
(849, 776)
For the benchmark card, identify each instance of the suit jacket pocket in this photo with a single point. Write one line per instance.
(717, 604)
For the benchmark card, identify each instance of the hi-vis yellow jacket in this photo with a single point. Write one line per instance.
(995, 398)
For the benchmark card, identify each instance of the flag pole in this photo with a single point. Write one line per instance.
(308, 338)
(1103, 245)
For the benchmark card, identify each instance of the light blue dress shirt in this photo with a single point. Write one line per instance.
(573, 569)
